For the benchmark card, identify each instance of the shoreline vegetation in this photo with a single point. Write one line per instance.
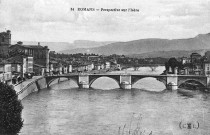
(10, 111)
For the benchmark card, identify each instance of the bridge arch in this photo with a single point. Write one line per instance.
(160, 79)
(197, 81)
(50, 79)
(92, 80)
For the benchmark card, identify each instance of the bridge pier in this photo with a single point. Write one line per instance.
(172, 82)
(83, 82)
(125, 85)
(84, 85)
(125, 82)
(172, 86)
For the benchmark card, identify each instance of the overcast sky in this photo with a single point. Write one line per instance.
(52, 20)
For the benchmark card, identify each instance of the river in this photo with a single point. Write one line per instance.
(63, 109)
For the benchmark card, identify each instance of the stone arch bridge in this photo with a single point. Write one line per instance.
(138, 66)
(126, 81)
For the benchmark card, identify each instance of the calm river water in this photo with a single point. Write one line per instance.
(105, 109)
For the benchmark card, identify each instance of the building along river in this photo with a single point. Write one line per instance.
(105, 109)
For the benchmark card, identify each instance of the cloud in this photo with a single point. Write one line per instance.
(53, 11)
(53, 20)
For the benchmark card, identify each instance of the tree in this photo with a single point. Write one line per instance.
(173, 63)
(167, 66)
(10, 111)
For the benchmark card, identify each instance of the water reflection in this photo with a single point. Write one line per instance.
(188, 93)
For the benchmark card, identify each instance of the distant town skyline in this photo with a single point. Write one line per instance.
(54, 21)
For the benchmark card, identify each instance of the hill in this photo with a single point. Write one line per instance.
(63, 46)
(167, 54)
(53, 46)
(199, 42)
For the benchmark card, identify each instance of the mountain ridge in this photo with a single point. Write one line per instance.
(168, 54)
(201, 41)
(61, 46)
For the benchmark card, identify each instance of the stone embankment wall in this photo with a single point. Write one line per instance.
(25, 88)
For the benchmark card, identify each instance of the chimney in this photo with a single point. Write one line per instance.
(20, 43)
(8, 32)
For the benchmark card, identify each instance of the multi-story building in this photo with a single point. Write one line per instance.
(185, 60)
(70, 68)
(97, 66)
(206, 68)
(5, 42)
(196, 61)
(107, 65)
(5, 71)
(39, 54)
(206, 63)
(21, 64)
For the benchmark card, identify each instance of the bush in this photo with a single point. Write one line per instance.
(10, 111)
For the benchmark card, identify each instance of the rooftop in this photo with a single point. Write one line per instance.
(30, 46)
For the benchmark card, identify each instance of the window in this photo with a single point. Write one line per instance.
(13, 68)
(26, 51)
(43, 54)
(30, 69)
(30, 64)
(3, 38)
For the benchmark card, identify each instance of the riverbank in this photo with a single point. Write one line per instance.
(33, 85)
(29, 86)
